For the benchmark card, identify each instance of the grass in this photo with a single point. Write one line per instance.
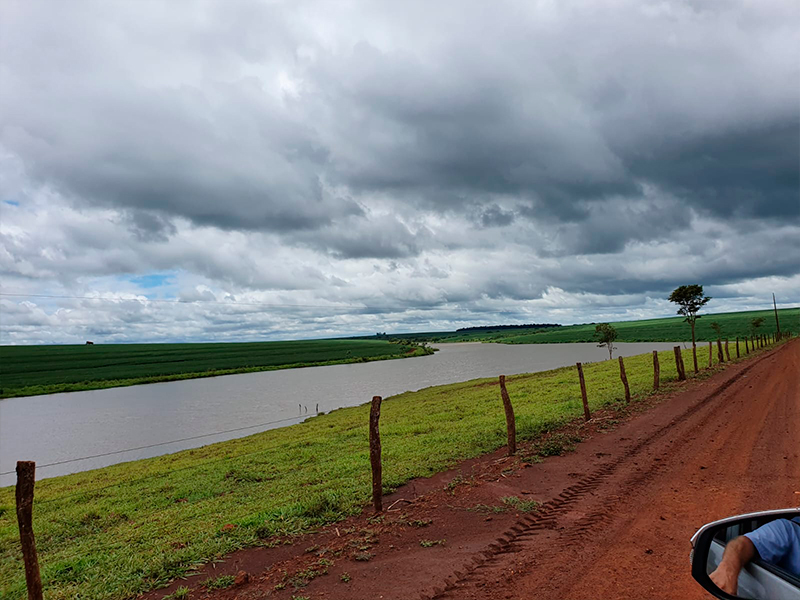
(31, 370)
(116, 532)
(182, 593)
(219, 583)
(524, 506)
(651, 330)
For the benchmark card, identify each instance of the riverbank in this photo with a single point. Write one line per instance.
(38, 370)
(121, 530)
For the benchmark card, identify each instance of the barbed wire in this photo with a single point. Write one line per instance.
(131, 482)
(186, 439)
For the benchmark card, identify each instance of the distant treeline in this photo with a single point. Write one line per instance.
(495, 327)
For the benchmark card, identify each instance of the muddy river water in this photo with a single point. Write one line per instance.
(142, 421)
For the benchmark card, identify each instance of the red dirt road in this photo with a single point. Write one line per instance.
(614, 519)
(729, 447)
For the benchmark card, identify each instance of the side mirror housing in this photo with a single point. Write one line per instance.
(758, 580)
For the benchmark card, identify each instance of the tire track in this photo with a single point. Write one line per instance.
(554, 515)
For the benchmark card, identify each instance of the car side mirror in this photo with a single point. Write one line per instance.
(759, 579)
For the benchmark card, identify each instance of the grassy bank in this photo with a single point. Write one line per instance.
(650, 330)
(118, 531)
(733, 325)
(31, 370)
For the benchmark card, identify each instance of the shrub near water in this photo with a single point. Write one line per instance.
(118, 531)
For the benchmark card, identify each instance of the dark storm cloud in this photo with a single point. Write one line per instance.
(495, 216)
(528, 112)
(380, 237)
(150, 227)
(750, 171)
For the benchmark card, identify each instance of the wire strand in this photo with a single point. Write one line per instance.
(186, 439)
(155, 475)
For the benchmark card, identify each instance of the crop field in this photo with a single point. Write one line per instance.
(119, 531)
(29, 370)
(669, 329)
(733, 325)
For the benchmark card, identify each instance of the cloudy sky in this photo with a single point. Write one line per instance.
(242, 169)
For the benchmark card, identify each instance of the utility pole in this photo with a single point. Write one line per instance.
(775, 306)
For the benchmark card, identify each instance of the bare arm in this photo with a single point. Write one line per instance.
(738, 553)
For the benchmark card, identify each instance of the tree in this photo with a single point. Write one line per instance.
(690, 298)
(606, 334)
(755, 324)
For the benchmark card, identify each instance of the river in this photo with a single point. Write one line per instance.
(144, 420)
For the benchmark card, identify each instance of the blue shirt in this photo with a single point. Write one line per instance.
(778, 543)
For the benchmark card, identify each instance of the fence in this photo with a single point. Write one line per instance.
(26, 470)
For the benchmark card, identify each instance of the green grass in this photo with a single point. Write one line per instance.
(30, 370)
(219, 583)
(664, 330)
(668, 329)
(115, 532)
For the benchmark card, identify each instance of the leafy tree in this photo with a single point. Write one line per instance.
(755, 324)
(690, 299)
(606, 334)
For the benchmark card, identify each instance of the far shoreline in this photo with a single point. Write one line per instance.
(87, 386)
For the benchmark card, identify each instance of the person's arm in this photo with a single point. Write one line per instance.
(738, 553)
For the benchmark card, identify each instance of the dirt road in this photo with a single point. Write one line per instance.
(623, 530)
(614, 518)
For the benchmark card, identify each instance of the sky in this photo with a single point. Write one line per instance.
(231, 170)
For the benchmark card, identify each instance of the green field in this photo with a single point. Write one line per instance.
(670, 329)
(119, 531)
(30, 370)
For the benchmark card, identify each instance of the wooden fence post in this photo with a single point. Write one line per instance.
(746, 346)
(26, 476)
(737, 346)
(720, 355)
(679, 363)
(375, 453)
(656, 370)
(710, 354)
(586, 414)
(683, 366)
(727, 351)
(511, 424)
(624, 377)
